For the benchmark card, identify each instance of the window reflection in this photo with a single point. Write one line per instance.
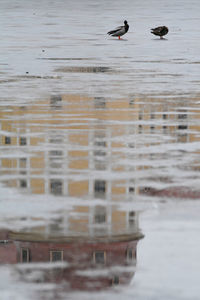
(25, 255)
(131, 189)
(22, 162)
(132, 218)
(131, 255)
(23, 165)
(164, 116)
(100, 215)
(165, 129)
(99, 257)
(140, 129)
(115, 280)
(152, 128)
(100, 150)
(182, 116)
(55, 153)
(100, 165)
(55, 140)
(55, 158)
(7, 140)
(23, 183)
(99, 143)
(56, 102)
(140, 117)
(100, 187)
(99, 103)
(22, 141)
(152, 115)
(182, 127)
(56, 255)
(56, 186)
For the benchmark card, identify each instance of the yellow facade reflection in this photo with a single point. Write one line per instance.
(68, 145)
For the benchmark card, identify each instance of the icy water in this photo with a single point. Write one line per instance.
(99, 150)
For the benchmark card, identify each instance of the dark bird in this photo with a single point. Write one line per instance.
(119, 31)
(160, 31)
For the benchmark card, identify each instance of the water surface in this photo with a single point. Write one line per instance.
(99, 151)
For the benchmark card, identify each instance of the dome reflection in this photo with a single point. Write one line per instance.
(77, 264)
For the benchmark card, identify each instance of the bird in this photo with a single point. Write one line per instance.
(160, 31)
(119, 31)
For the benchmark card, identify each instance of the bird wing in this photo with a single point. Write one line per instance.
(157, 29)
(117, 29)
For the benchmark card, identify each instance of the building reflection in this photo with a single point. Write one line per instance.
(95, 262)
(58, 146)
(64, 150)
(73, 148)
(69, 135)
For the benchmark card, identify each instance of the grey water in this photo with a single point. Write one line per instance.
(99, 150)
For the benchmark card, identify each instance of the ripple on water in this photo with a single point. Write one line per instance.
(82, 69)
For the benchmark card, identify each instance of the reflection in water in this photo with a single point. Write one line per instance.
(77, 264)
(56, 102)
(89, 69)
(53, 151)
(74, 134)
(87, 245)
(97, 159)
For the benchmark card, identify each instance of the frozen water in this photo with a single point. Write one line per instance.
(42, 39)
(99, 150)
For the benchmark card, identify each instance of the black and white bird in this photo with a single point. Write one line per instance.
(160, 31)
(119, 31)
